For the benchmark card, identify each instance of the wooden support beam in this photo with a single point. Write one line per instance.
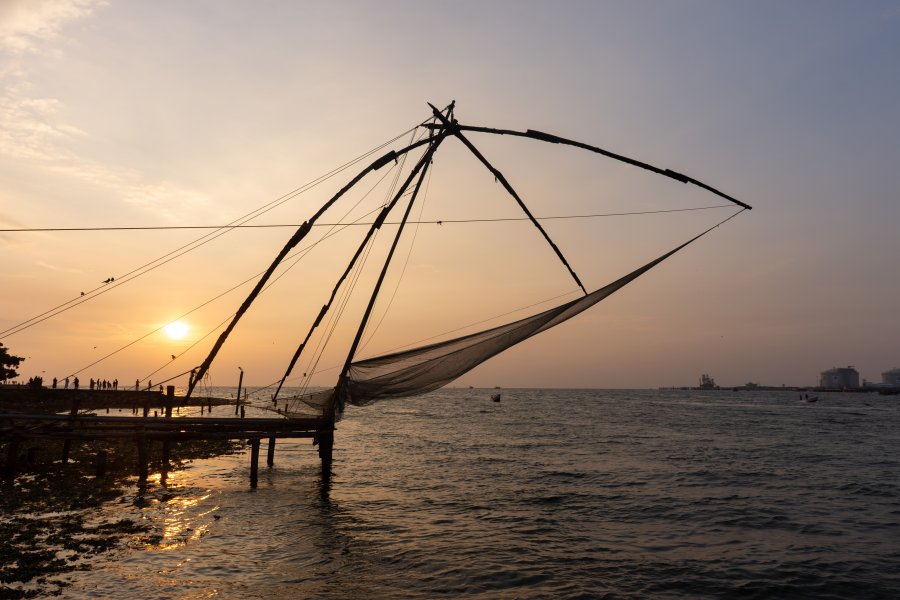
(270, 457)
(170, 400)
(164, 473)
(325, 439)
(67, 445)
(12, 455)
(101, 464)
(279, 423)
(143, 469)
(174, 436)
(240, 384)
(254, 462)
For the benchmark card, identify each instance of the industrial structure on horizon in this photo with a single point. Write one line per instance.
(840, 378)
(891, 378)
(847, 378)
(835, 379)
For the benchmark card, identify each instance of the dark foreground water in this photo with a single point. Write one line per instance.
(547, 494)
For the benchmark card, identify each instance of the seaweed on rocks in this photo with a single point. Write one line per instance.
(52, 516)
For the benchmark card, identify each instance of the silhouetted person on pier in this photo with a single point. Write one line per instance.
(92, 383)
(115, 384)
(137, 385)
(54, 383)
(75, 383)
(67, 383)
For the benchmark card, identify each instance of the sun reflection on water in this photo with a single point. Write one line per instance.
(182, 524)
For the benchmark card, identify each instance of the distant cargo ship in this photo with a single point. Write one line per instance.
(707, 383)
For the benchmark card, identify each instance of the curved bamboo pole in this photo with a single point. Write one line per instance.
(301, 232)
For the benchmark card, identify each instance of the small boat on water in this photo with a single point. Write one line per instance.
(495, 397)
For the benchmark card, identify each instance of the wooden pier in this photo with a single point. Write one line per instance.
(18, 428)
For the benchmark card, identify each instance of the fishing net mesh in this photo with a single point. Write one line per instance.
(430, 367)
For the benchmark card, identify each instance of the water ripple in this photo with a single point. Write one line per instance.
(553, 494)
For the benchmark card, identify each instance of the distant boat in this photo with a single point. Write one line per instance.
(495, 397)
(812, 399)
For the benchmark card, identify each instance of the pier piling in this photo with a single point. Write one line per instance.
(100, 470)
(12, 455)
(143, 470)
(270, 456)
(67, 444)
(254, 462)
(170, 400)
(25, 430)
(325, 438)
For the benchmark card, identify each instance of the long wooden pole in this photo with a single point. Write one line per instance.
(555, 139)
(240, 383)
(422, 169)
(376, 225)
(295, 239)
(502, 179)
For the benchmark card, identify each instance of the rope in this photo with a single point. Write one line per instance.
(402, 271)
(297, 256)
(331, 326)
(180, 251)
(295, 225)
(242, 222)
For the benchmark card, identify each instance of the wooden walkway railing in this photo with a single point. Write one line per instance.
(17, 428)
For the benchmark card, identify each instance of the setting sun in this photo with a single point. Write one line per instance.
(176, 330)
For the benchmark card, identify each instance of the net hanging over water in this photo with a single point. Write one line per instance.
(428, 368)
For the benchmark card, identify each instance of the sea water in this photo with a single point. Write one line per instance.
(545, 494)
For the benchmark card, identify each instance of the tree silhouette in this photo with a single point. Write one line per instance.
(8, 364)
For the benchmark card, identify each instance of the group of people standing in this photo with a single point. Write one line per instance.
(95, 384)
(104, 384)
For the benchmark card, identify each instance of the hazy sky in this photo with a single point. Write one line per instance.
(123, 114)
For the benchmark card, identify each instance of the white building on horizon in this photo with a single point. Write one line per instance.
(841, 378)
(891, 378)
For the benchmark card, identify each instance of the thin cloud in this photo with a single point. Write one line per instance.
(32, 128)
(23, 23)
(56, 268)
